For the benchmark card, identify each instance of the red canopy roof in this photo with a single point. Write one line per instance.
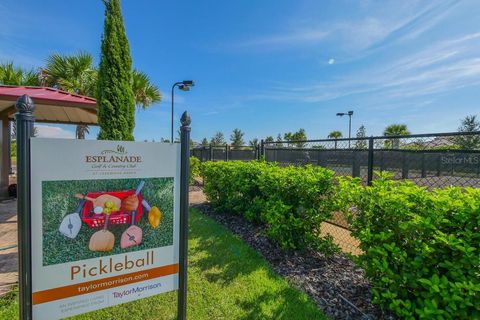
(45, 94)
(52, 105)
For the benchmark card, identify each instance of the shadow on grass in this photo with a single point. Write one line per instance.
(224, 259)
(290, 305)
(223, 256)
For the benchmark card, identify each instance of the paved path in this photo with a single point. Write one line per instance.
(8, 237)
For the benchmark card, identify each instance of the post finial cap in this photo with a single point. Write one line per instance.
(25, 104)
(185, 120)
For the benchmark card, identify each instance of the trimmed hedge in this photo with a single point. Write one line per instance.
(421, 248)
(195, 169)
(291, 202)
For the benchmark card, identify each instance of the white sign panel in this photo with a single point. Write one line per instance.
(105, 223)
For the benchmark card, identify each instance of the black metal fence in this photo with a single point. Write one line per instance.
(432, 160)
(226, 153)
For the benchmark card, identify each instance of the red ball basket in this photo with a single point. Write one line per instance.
(94, 220)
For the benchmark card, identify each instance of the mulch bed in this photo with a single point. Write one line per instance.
(339, 287)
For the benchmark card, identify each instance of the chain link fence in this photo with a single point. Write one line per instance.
(430, 160)
(226, 153)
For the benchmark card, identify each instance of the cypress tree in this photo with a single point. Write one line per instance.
(115, 99)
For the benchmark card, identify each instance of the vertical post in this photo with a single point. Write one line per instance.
(370, 161)
(211, 152)
(424, 171)
(439, 165)
(25, 120)
(262, 148)
(356, 163)
(5, 157)
(226, 152)
(405, 165)
(183, 245)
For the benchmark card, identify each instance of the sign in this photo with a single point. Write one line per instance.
(104, 223)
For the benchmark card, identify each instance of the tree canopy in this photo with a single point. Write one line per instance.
(218, 139)
(468, 142)
(16, 76)
(115, 98)
(237, 138)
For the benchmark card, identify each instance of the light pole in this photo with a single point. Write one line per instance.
(184, 86)
(349, 114)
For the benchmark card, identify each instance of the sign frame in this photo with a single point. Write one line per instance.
(25, 120)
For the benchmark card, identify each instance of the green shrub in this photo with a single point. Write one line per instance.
(195, 169)
(421, 248)
(292, 202)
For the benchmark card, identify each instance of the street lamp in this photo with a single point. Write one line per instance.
(184, 86)
(349, 114)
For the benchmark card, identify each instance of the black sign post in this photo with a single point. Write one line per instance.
(24, 126)
(25, 120)
(183, 241)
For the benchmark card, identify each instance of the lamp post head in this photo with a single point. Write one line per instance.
(188, 83)
(340, 114)
(184, 87)
(350, 113)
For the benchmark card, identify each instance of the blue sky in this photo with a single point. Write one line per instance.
(269, 67)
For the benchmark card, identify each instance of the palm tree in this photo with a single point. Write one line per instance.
(76, 73)
(15, 76)
(335, 135)
(145, 92)
(395, 130)
(73, 73)
(81, 130)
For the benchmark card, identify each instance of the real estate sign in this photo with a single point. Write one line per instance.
(105, 223)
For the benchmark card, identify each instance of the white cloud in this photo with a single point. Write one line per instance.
(441, 67)
(331, 61)
(375, 27)
(47, 131)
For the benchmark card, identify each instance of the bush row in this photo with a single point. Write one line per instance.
(421, 248)
(291, 202)
(195, 169)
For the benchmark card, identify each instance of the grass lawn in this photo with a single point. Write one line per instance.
(227, 280)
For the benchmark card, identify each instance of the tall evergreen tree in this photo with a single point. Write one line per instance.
(237, 138)
(468, 142)
(279, 143)
(361, 133)
(115, 99)
(218, 139)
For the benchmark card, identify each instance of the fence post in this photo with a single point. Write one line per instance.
(226, 152)
(404, 165)
(356, 163)
(370, 161)
(262, 148)
(211, 152)
(257, 152)
(424, 172)
(183, 243)
(439, 165)
(24, 125)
